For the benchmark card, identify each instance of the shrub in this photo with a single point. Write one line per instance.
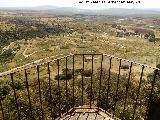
(87, 73)
(19, 85)
(158, 66)
(152, 37)
(4, 88)
(7, 55)
(63, 77)
(124, 66)
(78, 71)
(126, 115)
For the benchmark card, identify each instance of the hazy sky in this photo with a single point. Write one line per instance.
(75, 3)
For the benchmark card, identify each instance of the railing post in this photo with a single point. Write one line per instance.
(127, 87)
(2, 109)
(59, 104)
(40, 94)
(15, 96)
(50, 93)
(151, 94)
(91, 94)
(73, 84)
(108, 84)
(66, 85)
(82, 80)
(100, 83)
(138, 92)
(27, 86)
(118, 79)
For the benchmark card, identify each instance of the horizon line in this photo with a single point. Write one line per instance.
(149, 8)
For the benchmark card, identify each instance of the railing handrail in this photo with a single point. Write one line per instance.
(137, 63)
(32, 64)
(37, 62)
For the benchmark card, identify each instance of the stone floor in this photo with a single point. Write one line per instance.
(87, 114)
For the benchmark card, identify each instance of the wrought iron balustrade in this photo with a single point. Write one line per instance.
(52, 89)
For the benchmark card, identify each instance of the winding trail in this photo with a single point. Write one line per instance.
(5, 48)
(24, 52)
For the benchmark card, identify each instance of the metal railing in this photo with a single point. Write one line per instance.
(47, 90)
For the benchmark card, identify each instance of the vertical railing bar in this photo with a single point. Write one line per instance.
(2, 108)
(27, 86)
(87, 116)
(68, 118)
(138, 92)
(59, 105)
(15, 96)
(127, 87)
(118, 79)
(73, 84)
(108, 80)
(150, 95)
(82, 80)
(78, 116)
(91, 84)
(96, 117)
(100, 82)
(50, 93)
(104, 118)
(8, 110)
(66, 84)
(40, 97)
(108, 84)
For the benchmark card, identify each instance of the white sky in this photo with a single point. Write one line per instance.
(75, 3)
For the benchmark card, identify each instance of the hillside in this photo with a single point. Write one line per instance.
(54, 10)
(26, 39)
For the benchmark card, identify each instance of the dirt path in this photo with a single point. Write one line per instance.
(5, 48)
(24, 52)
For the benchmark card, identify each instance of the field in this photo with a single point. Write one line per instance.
(39, 38)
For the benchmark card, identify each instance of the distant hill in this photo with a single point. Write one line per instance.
(44, 7)
(73, 10)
